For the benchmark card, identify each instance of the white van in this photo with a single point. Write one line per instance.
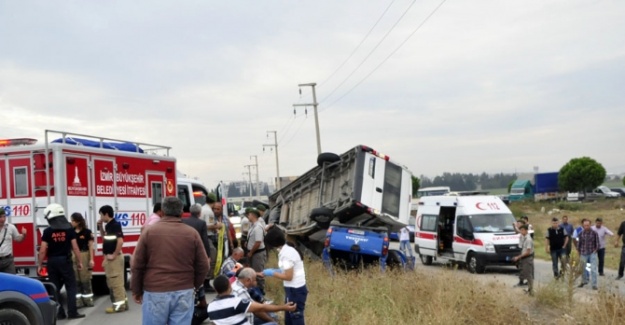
(476, 230)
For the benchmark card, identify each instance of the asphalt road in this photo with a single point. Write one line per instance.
(506, 275)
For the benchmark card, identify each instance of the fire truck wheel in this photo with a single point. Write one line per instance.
(327, 157)
(98, 284)
(13, 316)
(126, 271)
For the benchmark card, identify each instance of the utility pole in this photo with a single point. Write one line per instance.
(274, 145)
(257, 182)
(314, 105)
(249, 173)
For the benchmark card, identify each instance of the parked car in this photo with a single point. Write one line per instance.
(607, 192)
(25, 301)
(620, 190)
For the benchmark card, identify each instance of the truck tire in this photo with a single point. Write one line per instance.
(322, 216)
(99, 286)
(126, 271)
(327, 157)
(13, 317)
(474, 265)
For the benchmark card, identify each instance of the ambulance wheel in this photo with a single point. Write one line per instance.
(13, 316)
(474, 265)
(327, 157)
(425, 260)
(98, 285)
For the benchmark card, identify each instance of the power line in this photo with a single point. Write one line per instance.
(359, 44)
(388, 57)
(370, 52)
(294, 134)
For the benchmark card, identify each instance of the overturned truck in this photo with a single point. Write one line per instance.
(343, 209)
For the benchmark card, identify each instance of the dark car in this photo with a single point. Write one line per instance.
(619, 190)
(26, 301)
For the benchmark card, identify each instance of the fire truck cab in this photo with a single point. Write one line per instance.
(83, 173)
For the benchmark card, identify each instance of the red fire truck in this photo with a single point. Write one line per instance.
(83, 173)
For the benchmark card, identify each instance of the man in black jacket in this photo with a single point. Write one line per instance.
(198, 224)
(556, 242)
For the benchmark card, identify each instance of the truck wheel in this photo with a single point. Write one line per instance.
(393, 260)
(474, 265)
(322, 216)
(13, 317)
(327, 157)
(126, 271)
(425, 260)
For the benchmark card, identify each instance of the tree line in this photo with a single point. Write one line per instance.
(468, 182)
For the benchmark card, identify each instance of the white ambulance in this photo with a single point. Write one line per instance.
(474, 230)
(83, 173)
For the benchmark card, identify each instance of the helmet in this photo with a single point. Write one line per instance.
(53, 210)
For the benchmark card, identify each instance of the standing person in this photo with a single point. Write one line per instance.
(587, 246)
(262, 210)
(292, 274)
(569, 230)
(157, 214)
(200, 226)
(517, 229)
(621, 234)
(602, 231)
(555, 244)
(227, 309)
(84, 239)
(526, 258)
(8, 233)
(168, 266)
(404, 241)
(529, 226)
(222, 243)
(113, 264)
(57, 243)
(256, 246)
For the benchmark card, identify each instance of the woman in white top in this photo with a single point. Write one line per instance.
(291, 272)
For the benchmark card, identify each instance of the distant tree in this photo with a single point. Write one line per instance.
(415, 186)
(510, 186)
(581, 174)
(624, 180)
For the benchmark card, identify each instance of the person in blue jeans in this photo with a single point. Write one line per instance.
(404, 241)
(587, 246)
(291, 272)
(556, 241)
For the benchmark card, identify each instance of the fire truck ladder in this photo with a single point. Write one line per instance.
(146, 147)
(41, 179)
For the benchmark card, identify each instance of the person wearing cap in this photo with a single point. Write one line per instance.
(526, 258)
(602, 231)
(8, 233)
(113, 264)
(57, 243)
(256, 245)
(263, 213)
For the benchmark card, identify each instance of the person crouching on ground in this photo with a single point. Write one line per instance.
(228, 309)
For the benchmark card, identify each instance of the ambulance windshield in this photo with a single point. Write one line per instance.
(486, 223)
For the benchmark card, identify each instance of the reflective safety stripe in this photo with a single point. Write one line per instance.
(112, 237)
(119, 303)
(78, 296)
(87, 296)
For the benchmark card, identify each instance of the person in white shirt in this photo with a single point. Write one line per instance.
(8, 233)
(602, 231)
(404, 241)
(291, 272)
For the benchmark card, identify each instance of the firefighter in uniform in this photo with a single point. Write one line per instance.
(84, 239)
(57, 243)
(113, 259)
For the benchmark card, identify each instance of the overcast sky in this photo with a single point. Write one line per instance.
(495, 86)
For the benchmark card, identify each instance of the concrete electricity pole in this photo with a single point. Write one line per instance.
(257, 182)
(314, 104)
(275, 145)
(249, 172)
